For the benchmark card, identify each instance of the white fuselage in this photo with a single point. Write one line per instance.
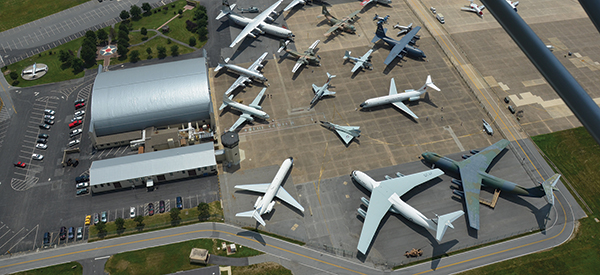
(263, 206)
(408, 94)
(248, 110)
(244, 71)
(398, 206)
(267, 28)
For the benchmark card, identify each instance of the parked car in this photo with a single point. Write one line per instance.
(82, 191)
(42, 140)
(79, 100)
(44, 136)
(88, 219)
(179, 203)
(96, 220)
(79, 105)
(49, 112)
(161, 206)
(47, 239)
(20, 164)
(150, 209)
(511, 109)
(82, 185)
(63, 233)
(80, 113)
(49, 121)
(79, 233)
(103, 217)
(73, 142)
(507, 99)
(75, 123)
(132, 212)
(71, 233)
(41, 146)
(37, 156)
(76, 118)
(44, 126)
(82, 178)
(75, 132)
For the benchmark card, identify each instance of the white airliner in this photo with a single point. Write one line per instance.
(35, 69)
(254, 26)
(271, 190)
(474, 8)
(248, 112)
(396, 98)
(385, 196)
(360, 62)
(245, 74)
(293, 4)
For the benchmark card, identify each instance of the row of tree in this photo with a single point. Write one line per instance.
(136, 13)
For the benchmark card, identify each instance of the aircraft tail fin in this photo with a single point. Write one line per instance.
(226, 10)
(252, 214)
(429, 84)
(226, 101)
(380, 33)
(549, 187)
(445, 221)
(283, 45)
(347, 55)
(221, 65)
(330, 76)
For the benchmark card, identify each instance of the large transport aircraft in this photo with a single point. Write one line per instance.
(248, 112)
(245, 74)
(396, 98)
(344, 24)
(35, 69)
(254, 26)
(308, 57)
(401, 48)
(385, 196)
(294, 3)
(471, 174)
(264, 204)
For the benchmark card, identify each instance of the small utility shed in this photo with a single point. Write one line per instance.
(153, 167)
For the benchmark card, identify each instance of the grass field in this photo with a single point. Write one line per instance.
(577, 156)
(61, 269)
(55, 71)
(269, 268)
(157, 41)
(18, 12)
(168, 258)
(136, 37)
(157, 19)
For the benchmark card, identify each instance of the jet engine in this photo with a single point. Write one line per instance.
(269, 19)
(365, 201)
(257, 202)
(414, 98)
(362, 213)
(270, 207)
(457, 182)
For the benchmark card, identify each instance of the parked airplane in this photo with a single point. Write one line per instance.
(254, 109)
(308, 57)
(35, 69)
(385, 196)
(254, 26)
(488, 129)
(471, 174)
(474, 8)
(347, 133)
(365, 2)
(294, 3)
(381, 19)
(321, 91)
(404, 29)
(513, 4)
(249, 10)
(245, 74)
(360, 62)
(271, 190)
(396, 98)
(400, 48)
(343, 24)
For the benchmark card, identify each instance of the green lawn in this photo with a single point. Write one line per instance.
(157, 41)
(136, 37)
(55, 71)
(268, 268)
(18, 12)
(157, 19)
(61, 269)
(577, 156)
(168, 258)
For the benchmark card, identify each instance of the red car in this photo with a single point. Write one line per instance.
(20, 164)
(79, 105)
(75, 123)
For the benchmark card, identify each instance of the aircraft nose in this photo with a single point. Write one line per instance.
(363, 104)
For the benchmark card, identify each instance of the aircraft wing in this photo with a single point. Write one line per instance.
(328, 92)
(238, 82)
(256, 102)
(357, 65)
(378, 207)
(471, 183)
(255, 23)
(260, 187)
(28, 71)
(293, 4)
(297, 66)
(243, 118)
(314, 45)
(345, 136)
(483, 159)
(286, 197)
(366, 56)
(400, 105)
(350, 16)
(468, 9)
(402, 185)
(315, 88)
(332, 29)
(257, 63)
(401, 45)
(366, 2)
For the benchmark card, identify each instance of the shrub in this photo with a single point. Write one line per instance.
(169, 41)
(14, 75)
(120, 222)
(174, 50)
(144, 38)
(162, 52)
(124, 14)
(149, 50)
(192, 41)
(143, 31)
(134, 56)
(139, 220)
(15, 83)
(191, 26)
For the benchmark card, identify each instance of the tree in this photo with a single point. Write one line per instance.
(202, 33)
(136, 12)
(174, 50)
(123, 27)
(203, 211)
(144, 31)
(14, 75)
(77, 65)
(162, 52)
(122, 51)
(124, 15)
(88, 55)
(112, 33)
(91, 36)
(192, 41)
(120, 222)
(147, 9)
(175, 215)
(139, 220)
(149, 50)
(123, 36)
(101, 227)
(63, 56)
(102, 35)
(134, 56)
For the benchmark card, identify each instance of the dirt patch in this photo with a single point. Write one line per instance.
(122, 265)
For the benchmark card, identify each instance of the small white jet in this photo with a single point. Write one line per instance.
(347, 133)
(513, 4)
(474, 8)
(487, 127)
(321, 91)
(360, 62)
(245, 74)
(254, 26)
(396, 98)
(254, 109)
(385, 196)
(294, 3)
(365, 2)
(271, 190)
(381, 19)
(403, 29)
(35, 69)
